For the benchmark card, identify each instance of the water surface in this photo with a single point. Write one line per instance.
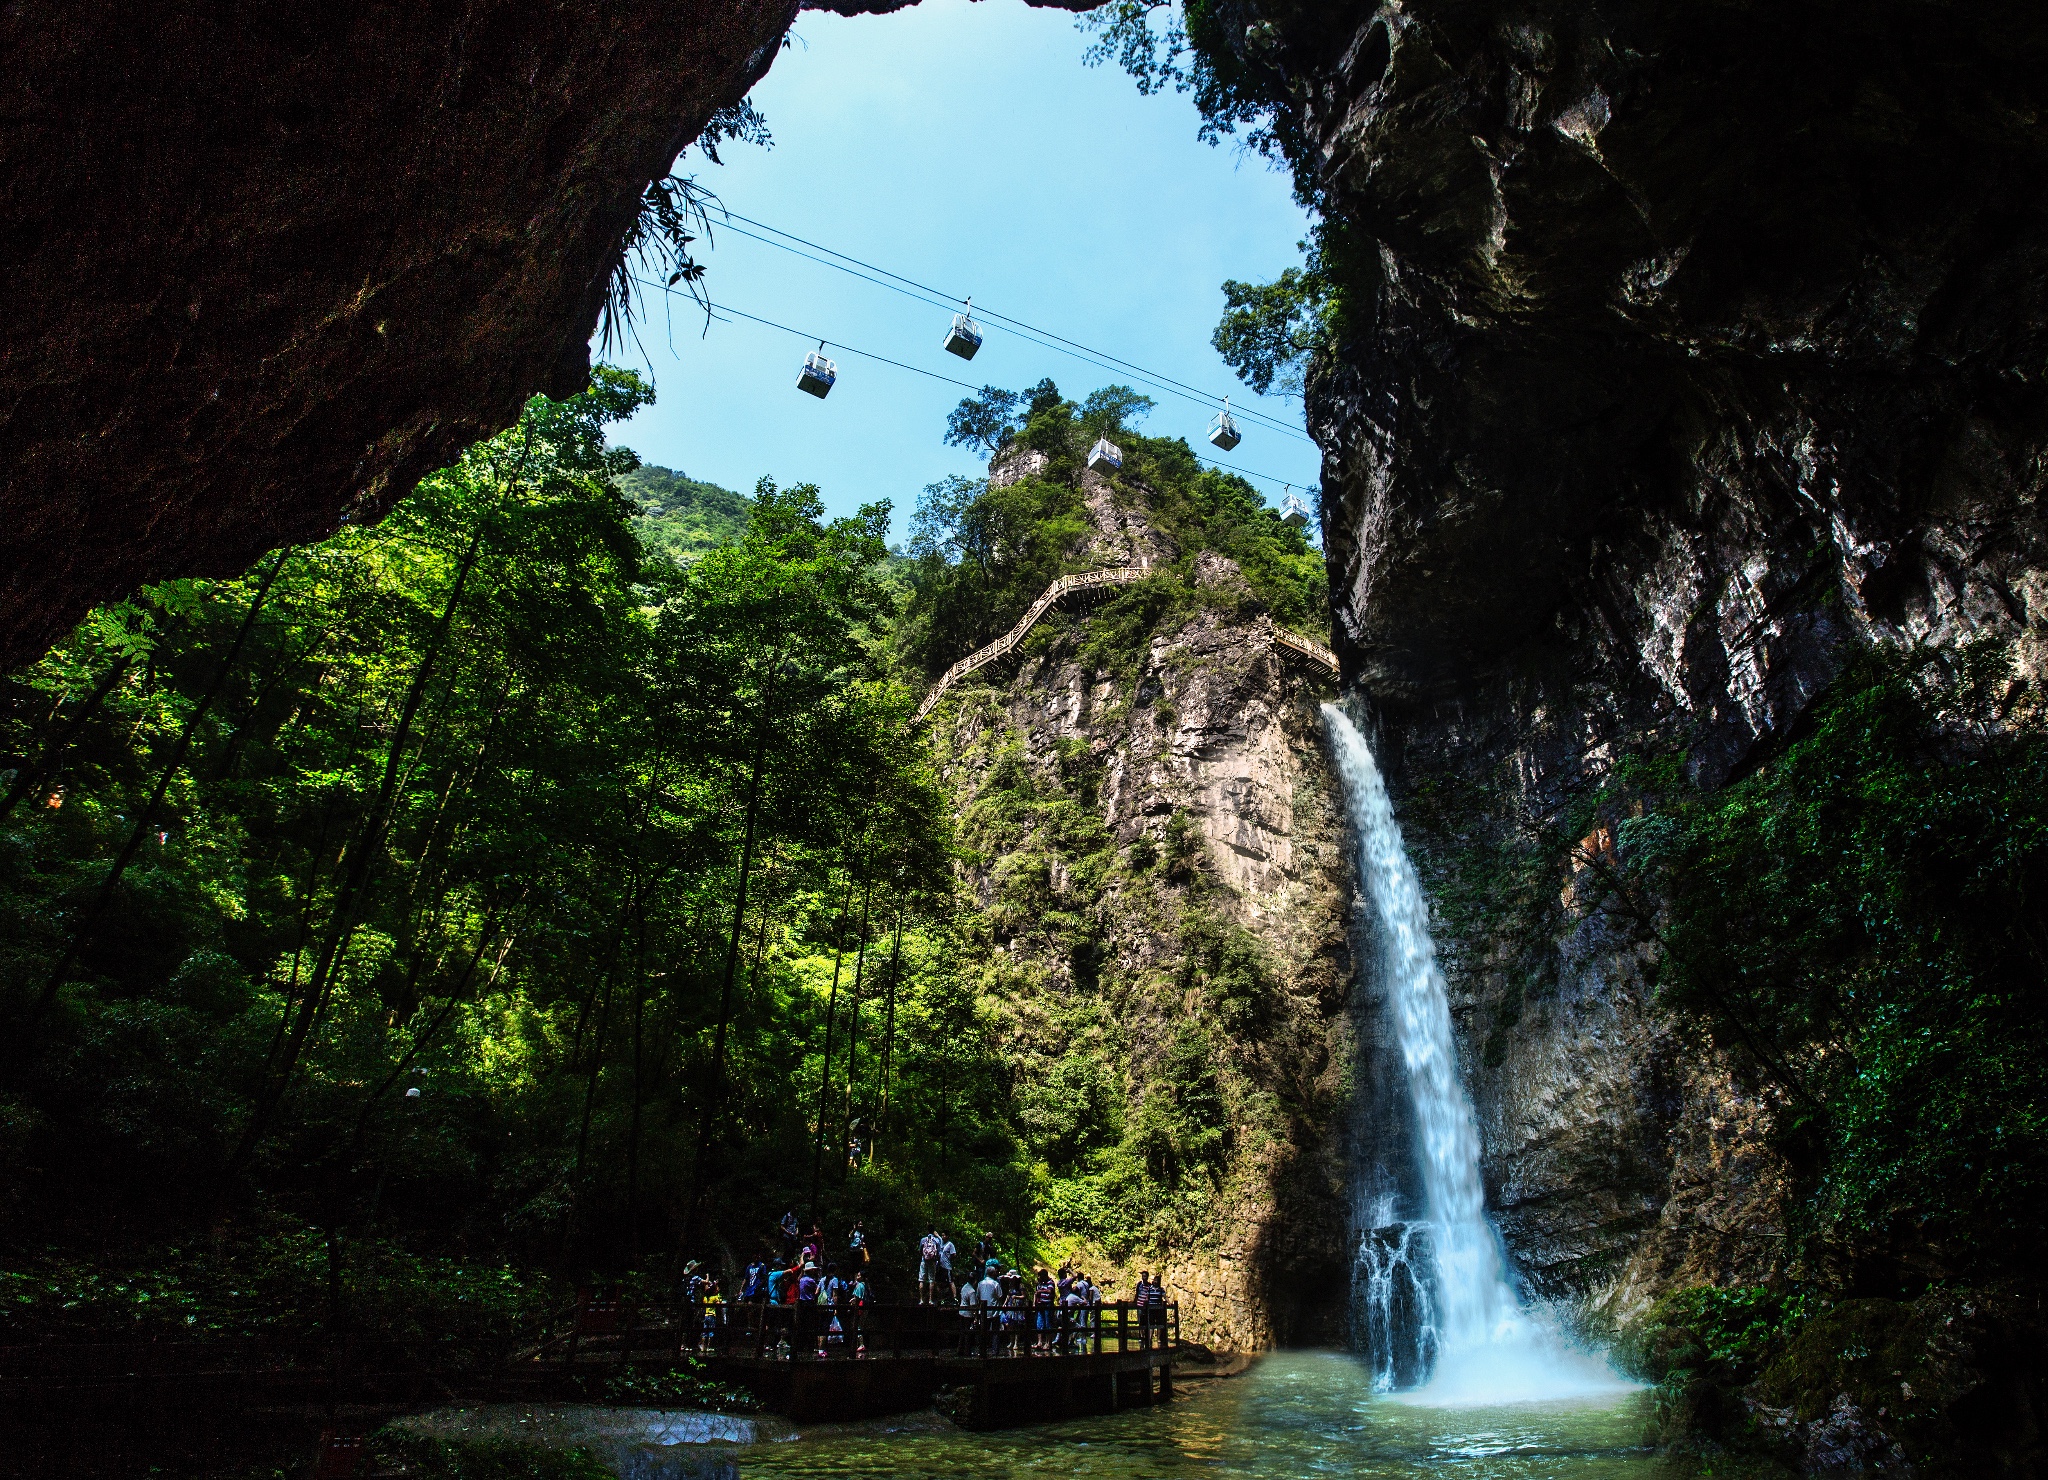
(1295, 1415)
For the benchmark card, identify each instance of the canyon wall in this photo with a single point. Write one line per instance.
(1158, 855)
(1680, 351)
(269, 265)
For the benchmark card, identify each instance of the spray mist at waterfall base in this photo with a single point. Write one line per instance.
(1527, 1360)
(1440, 1304)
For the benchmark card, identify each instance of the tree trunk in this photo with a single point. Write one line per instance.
(888, 1039)
(145, 819)
(853, 1022)
(633, 1129)
(361, 856)
(825, 1071)
(30, 776)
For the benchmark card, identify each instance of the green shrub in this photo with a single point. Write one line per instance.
(1860, 921)
(430, 1457)
(687, 1386)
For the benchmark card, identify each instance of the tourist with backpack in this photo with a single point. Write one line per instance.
(712, 1306)
(1151, 1301)
(1045, 1302)
(928, 1249)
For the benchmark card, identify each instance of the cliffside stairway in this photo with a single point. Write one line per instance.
(1092, 583)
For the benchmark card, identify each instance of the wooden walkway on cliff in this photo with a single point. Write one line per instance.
(1092, 584)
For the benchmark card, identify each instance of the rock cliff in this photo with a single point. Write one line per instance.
(1158, 857)
(269, 265)
(1680, 351)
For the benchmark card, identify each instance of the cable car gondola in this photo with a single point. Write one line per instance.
(1105, 456)
(1293, 511)
(964, 338)
(819, 374)
(1223, 430)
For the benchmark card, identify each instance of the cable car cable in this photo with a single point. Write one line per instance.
(1085, 356)
(835, 344)
(991, 313)
(920, 297)
(928, 374)
(1204, 396)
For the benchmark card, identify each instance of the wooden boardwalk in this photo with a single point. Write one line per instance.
(1290, 645)
(810, 1363)
(823, 1364)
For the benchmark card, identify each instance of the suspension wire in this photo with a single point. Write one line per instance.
(845, 348)
(1086, 358)
(948, 300)
(991, 313)
(835, 344)
(920, 295)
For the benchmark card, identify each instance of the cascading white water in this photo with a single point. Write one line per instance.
(1487, 1348)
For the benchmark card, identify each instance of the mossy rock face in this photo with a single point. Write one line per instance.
(1950, 1384)
(1950, 1376)
(1882, 1353)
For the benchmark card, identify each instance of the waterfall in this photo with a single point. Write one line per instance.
(1434, 1297)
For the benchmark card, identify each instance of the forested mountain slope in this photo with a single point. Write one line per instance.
(376, 947)
(681, 516)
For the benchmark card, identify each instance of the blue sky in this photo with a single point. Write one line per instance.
(963, 145)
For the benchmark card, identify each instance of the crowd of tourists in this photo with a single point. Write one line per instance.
(1003, 1310)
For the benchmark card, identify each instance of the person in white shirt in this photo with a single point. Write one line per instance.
(946, 1253)
(970, 1323)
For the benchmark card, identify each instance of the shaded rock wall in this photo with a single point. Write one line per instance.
(267, 265)
(270, 265)
(1684, 347)
(1214, 729)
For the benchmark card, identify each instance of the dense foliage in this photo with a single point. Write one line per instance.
(982, 550)
(1861, 920)
(378, 916)
(682, 516)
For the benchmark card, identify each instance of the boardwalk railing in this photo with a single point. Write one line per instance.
(1087, 580)
(1309, 648)
(1289, 643)
(810, 1331)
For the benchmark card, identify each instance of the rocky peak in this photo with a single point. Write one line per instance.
(1182, 807)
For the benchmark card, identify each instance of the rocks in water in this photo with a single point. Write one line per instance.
(634, 1443)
